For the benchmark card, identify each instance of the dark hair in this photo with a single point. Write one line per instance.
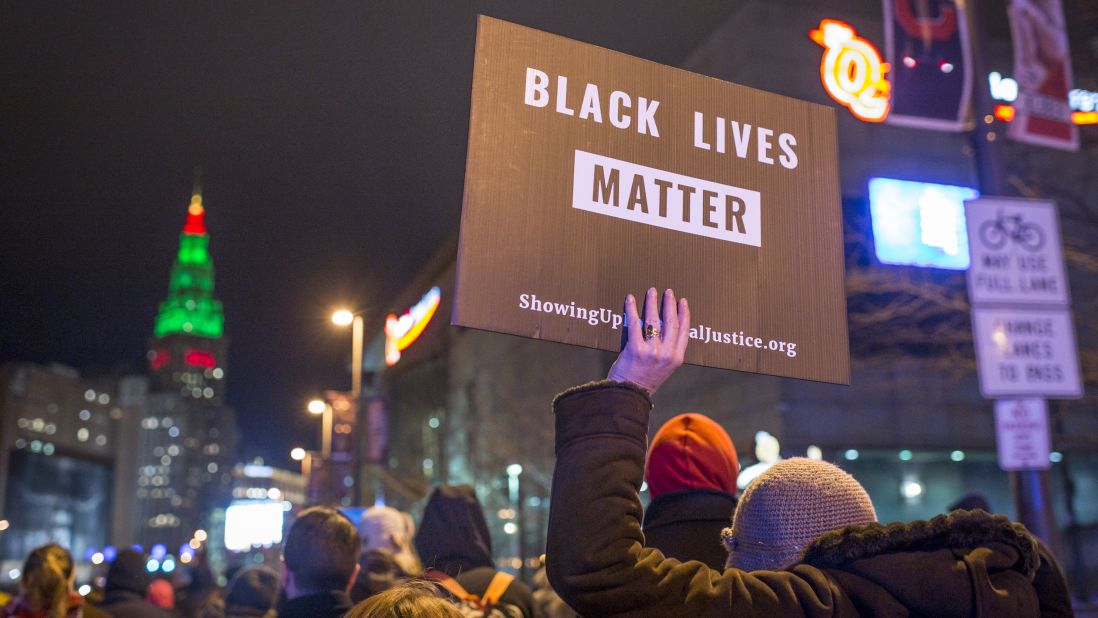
(415, 598)
(47, 572)
(321, 550)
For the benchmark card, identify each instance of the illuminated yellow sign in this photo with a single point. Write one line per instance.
(403, 331)
(852, 70)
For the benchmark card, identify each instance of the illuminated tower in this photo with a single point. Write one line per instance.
(188, 434)
(188, 352)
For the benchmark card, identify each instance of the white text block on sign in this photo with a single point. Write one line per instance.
(672, 201)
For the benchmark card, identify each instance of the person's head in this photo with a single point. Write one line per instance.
(453, 535)
(411, 599)
(321, 552)
(789, 506)
(691, 451)
(252, 588)
(385, 529)
(971, 501)
(161, 594)
(379, 572)
(47, 580)
(128, 573)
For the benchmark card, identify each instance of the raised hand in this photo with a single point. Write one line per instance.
(653, 350)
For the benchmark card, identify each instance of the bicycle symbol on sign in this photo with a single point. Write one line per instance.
(995, 234)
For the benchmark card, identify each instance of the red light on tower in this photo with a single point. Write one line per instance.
(158, 359)
(196, 217)
(200, 358)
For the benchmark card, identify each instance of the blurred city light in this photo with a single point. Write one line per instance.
(911, 489)
(343, 317)
(297, 454)
(919, 223)
(317, 406)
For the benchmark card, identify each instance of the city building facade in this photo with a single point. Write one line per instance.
(66, 461)
(187, 437)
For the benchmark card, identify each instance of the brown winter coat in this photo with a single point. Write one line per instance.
(964, 564)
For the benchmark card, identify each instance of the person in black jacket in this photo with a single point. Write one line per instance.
(320, 562)
(453, 540)
(127, 583)
(691, 473)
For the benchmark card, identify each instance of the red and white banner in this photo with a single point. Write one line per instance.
(1042, 68)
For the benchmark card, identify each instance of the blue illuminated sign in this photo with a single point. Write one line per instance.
(919, 223)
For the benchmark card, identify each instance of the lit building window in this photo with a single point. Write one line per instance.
(101, 440)
(174, 432)
(89, 395)
(85, 415)
(82, 434)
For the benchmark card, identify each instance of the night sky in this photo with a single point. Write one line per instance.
(332, 138)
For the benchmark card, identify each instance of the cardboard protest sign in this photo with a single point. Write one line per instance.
(592, 174)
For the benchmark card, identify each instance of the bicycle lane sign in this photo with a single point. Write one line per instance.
(1016, 253)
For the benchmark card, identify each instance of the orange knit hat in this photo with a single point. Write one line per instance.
(691, 451)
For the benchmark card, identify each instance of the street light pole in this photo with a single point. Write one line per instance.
(319, 406)
(344, 317)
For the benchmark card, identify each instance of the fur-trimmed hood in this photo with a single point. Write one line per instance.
(958, 530)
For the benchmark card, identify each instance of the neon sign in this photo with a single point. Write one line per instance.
(1083, 103)
(852, 71)
(403, 331)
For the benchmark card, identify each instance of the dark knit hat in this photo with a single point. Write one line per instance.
(691, 451)
(789, 506)
(255, 587)
(128, 573)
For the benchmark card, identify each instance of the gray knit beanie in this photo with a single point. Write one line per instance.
(789, 506)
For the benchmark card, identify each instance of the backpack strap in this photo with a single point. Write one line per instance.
(450, 584)
(496, 587)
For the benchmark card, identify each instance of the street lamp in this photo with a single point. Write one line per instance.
(297, 454)
(344, 317)
(319, 406)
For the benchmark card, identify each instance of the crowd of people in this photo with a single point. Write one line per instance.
(802, 539)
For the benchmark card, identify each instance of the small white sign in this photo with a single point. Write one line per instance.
(1021, 431)
(672, 201)
(1026, 353)
(1015, 250)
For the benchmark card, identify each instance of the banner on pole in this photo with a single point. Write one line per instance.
(1042, 68)
(931, 70)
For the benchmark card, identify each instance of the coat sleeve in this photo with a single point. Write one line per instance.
(596, 559)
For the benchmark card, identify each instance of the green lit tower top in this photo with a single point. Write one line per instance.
(191, 308)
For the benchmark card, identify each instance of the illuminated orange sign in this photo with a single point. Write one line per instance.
(403, 331)
(852, 70)
(1006, 114)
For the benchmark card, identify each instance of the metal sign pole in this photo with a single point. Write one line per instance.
(1031, 487)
